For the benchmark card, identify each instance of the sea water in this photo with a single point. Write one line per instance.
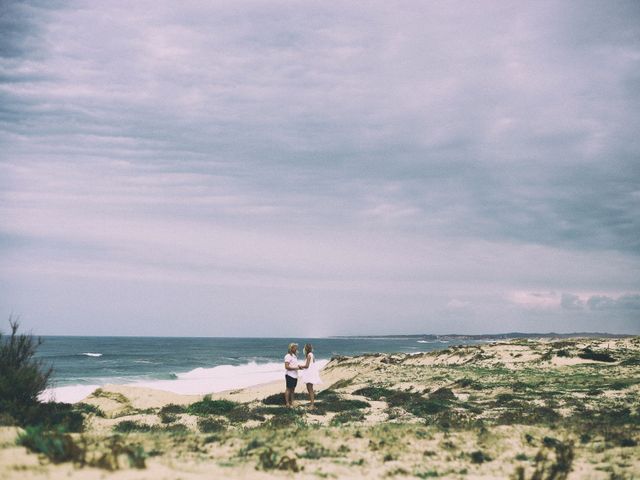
(193, 365)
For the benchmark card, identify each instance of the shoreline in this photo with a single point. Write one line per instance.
(214, 380)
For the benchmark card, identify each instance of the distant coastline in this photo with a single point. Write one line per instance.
(495, 336)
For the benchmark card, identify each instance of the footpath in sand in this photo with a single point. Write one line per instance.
(524, 409)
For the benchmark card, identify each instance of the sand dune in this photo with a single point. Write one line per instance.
(500, 410)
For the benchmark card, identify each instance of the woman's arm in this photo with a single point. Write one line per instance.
(306, 365)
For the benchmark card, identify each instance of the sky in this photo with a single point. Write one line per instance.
(315, 168)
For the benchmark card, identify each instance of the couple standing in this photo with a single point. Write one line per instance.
(306, 372)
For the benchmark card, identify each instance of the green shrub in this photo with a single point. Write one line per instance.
(479, 457)
(51, 415)
(211, 425)
(546, 467)
(347, 416)
(503, 398)
(211, 407)
(278, 398)
(275, 410)
(287, 420)
(175, 428)
(242, 413)
(330, 401)
(168, 417)
(173, 408)
(427, 474)
(438, 401)
(374, 393)
(128, 426)
(253, 444)
(345, 382)
(22, 377)
(442, 394)
(269, 459)
(632, 361)
(89, 409)
(315, 451)
(628, 442)
(116, 448)
(596, 355)
(57, 445)
(469, 383)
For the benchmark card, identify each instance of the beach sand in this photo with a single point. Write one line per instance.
(552, 408)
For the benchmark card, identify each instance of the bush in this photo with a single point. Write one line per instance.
(330, 401)
(287, 420)
(211, 407)
(168, 417)
(347, 416)
(242, 413)
(595, 355)
(211, 425)
(269, 459)
(375, 393)
(53, 415)
(173, 408)
(278, 398)
(442, 394)
(547, 467)
(89, 409)
(116, 449)
(128, 426)
(479, 457)
(22, 377)
(56, 445)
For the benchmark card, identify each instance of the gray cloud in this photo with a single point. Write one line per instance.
(322, 145)
(625, 302)
(571, 302)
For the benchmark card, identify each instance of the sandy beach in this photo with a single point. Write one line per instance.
(520, 409)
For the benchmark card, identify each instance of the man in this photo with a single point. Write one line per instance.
(291, 374)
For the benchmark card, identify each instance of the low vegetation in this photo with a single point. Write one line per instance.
(532, 411)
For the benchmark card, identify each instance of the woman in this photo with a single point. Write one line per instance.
(291, 373)
(310, 375)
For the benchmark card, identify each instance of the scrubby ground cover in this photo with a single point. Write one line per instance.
(520, 409)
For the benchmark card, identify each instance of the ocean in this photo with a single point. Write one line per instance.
(194, 365)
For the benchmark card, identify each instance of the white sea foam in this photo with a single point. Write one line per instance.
(67, 394)
(90, 354)
(195, 382)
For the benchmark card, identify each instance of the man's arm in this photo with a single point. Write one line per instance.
(287, 367)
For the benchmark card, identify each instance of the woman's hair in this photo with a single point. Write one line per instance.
(291, 345)
(308, 348)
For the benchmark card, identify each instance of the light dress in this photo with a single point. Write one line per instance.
(311, 374)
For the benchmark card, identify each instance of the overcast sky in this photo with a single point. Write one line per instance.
(300, 168)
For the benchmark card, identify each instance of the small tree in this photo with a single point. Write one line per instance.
(22, 377)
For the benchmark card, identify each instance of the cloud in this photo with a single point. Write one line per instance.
(535, 300)
(571, 302)
(423, 150)
(455, 304)
(628, 302)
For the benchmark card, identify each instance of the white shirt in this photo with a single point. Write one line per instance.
(293, 363)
